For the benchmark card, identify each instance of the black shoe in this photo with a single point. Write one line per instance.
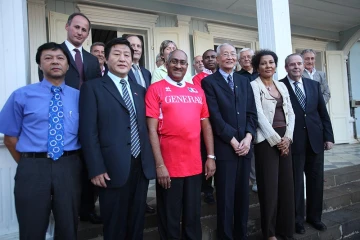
(209, 198)
(91, 217)
(150, 209)
(318, 225)
(299, 228)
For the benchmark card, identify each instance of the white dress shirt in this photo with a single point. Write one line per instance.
(311, 74)
(71, 49)
(119, 86)
(140, 74)
(172, 82)
(300, 85)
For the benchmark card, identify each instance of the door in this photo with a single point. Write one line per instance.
(339, 108)
(202, 42)
(57, 32)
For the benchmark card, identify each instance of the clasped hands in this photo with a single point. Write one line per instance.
(283, 146)
(242, 148)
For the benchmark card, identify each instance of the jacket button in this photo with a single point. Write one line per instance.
(304, 127)
(304, 115)
(238, 113)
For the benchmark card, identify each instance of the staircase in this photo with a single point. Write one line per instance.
(341, 212)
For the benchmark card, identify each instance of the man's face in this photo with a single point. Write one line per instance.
(227, 58)
(119, 61)
(99, 52)
(177, 66)
(309, 60)
(77, 31)
(198, 64)
(245, 59)
(136, 44)
(54, 64)
(210, 60)
(295, 67)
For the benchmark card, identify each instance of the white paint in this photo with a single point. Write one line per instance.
(274, 29)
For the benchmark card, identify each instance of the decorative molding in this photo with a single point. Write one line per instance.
(303, 43)
(232, 33)
(37, 33)
(183, 20)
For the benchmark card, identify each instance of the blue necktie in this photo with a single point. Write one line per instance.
(230, 82)
(300, 96)
(135, 139)
(56, 125)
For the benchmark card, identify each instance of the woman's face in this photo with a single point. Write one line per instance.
(267, 66)
(168, 50)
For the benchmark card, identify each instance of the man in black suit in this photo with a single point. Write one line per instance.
(98, 50)
(234, 120)
(116, 144)
(83, 66)
(312, 134)
(141, 75)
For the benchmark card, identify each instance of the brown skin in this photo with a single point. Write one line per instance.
(209, 60)
(54, 66)
(177, 71)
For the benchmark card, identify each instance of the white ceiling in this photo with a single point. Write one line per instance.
(330, 15)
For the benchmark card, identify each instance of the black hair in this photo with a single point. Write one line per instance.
(255, 61)
(114, 42)
(50, 46)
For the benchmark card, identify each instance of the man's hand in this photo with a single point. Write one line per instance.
(163, 176)
(244, 146)
(210, 168)
(235, 144)
(328, 145)
(99, 180)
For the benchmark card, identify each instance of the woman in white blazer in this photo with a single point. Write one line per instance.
(273, 161)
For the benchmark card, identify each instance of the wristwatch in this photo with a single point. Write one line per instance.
(211, 157)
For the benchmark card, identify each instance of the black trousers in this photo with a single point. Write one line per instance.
(232, 196)
(89, 192)
(183, 198)
(313, 166)
(43, 185)
(275, 189)
(123, 209)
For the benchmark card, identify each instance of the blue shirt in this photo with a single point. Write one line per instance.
(225, 75)
(26, 116)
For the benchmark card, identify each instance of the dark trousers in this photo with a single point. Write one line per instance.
(183, 198)
(232, 195)
(43, 185)
(275, 189)
(123, 209)
(313, 166)
(89, 193)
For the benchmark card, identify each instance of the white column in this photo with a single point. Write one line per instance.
(274, 30)
(14, 57)
(183, 22)
(37, 33)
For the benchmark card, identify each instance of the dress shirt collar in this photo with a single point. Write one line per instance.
(46, 84)
(172, 82)
(312, 73)
(206, 71)
(103, 70)
(117, 79)
(292, 81)
(71, 47)
(225, 75)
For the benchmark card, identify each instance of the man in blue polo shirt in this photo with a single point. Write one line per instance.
(40, 123)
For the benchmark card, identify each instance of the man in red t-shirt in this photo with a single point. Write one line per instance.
(177, 112)
(209, 60)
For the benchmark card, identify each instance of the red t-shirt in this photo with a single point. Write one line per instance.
(198, 77)
(179, 111)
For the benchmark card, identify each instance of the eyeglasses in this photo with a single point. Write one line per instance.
(246, 57)
(227, 55)
(176, 62)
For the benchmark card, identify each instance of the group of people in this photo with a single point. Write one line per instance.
(120, 126)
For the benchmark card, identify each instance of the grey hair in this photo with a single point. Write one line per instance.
(244, 50)
(158, 57)
(97, 44)
(309, 50)
(218, 49)
(196, 57)
(172, 53)
(292, 55)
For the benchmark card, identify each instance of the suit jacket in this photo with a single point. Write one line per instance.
(312, 125)
(146, 74)
(72, 77)
(231, 114)
(105, 130)
(321, 78)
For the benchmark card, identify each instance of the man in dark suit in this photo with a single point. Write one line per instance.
(140, 74)
(312, 134)
(116, 144)
(234, 120)
(98, 50)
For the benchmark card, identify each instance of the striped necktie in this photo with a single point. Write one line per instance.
(137, 75)
(230, 82)
(135, 139)
(300, 96)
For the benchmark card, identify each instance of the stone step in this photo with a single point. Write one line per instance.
(340, 176)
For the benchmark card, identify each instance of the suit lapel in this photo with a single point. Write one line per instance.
(110, 86)
(222, 83)
(308, 92)
(145, 76)
(72, 61)
(135, 91)
(85, 62)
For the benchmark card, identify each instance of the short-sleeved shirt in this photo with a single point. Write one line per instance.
(179, 111)
(200, 76)
(26, 115)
